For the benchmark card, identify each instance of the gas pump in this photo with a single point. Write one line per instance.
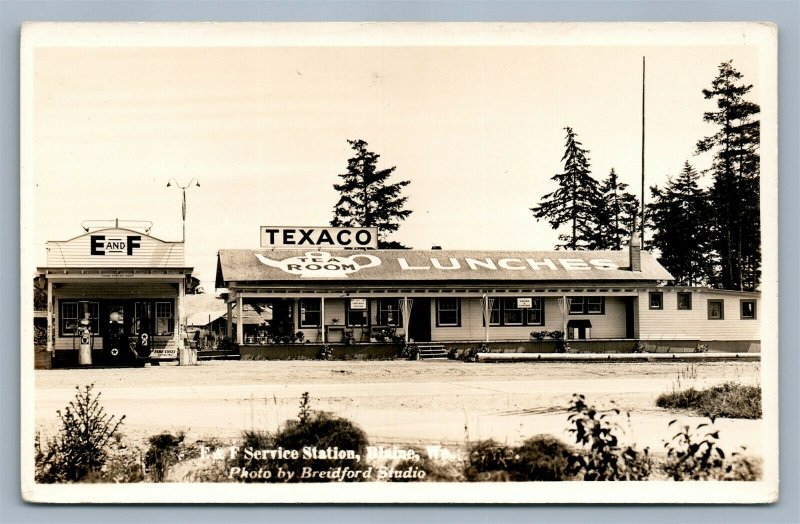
(144, 337)
(84, 333)
(115, 345)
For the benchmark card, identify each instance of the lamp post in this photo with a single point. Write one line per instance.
(192, 183)
(185, 357)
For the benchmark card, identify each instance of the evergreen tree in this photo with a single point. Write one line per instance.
(614, 214)
(366, 200)
(734, 194)
(575, 201)
(679, 217)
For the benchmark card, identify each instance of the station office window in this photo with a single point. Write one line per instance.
(716, 309)
(512, 315)
(357, 317)
(748, 309)
(656, 300)
(684, 301)
(310, 312)
(72, 312)
(504, 312)
(388, 312)
(448, 312)
(587, 306)
(165, 322)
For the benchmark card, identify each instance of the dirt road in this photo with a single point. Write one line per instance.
(398, 401)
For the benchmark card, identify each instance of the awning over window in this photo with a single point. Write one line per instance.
(582, 323)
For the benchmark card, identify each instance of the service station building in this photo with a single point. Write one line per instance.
(603, 300)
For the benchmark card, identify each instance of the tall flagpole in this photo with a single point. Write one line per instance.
(643, 208)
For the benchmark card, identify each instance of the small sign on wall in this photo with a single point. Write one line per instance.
(524, 303)
(358, 304)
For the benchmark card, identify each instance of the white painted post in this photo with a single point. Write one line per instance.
(405, 318)
(486, 314)
(183, 349)
(322, 317)
(239, 321)
(229, 326)
(50, 344)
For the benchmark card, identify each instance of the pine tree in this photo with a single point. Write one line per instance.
(575, 201)
(734, 194)
(614, 214)
(679, 217)
(366, 200)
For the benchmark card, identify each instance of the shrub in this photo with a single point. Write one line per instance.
(693, 454)
(434, 470)
(165, 450)
(312, 429)
(539, 458)
(539, 335)
(728, 400)
(452, 354)
(83, 443)
(325, 353)
(410, 352)
(471, 355)
(123, 465)
(603, 458)
(641, 347)
(562, 344)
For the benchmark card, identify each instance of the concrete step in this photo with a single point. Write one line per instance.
(432, 352)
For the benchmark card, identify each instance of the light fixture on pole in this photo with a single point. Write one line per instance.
(192, 183)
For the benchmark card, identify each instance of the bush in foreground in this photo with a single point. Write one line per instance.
(539, 458)
(693, 454)
(603, 458)
(83, 444)
(729, 400)
(319, 432)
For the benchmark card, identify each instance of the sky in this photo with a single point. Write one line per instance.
(478, 130)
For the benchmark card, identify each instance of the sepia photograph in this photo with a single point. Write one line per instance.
(402, 262)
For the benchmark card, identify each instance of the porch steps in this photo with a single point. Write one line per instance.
(432, 352)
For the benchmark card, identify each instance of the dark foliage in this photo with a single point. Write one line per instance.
(734, 194)
(576, 200)
(729, 400)
(311, 429)
(539, 458)
(367, 199)
(83, 443)
(693, 454)
(603, 457)
(165, 450)
(614, 216)
(680, 217)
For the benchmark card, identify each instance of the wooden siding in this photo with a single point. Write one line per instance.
(104, 291)
(672, 323)
(140, 289)
(151, 251)
(609, 325)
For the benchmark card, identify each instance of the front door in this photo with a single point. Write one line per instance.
(419, 322)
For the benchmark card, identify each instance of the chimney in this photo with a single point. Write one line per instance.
(635, 248)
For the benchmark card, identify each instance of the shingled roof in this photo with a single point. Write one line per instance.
(245, 265)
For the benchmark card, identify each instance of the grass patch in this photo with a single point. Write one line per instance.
(729, 400)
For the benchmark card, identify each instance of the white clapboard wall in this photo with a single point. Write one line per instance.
(115, 248)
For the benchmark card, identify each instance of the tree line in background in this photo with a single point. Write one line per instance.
(704, 236)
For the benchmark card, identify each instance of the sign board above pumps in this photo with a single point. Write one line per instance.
(293, 237)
